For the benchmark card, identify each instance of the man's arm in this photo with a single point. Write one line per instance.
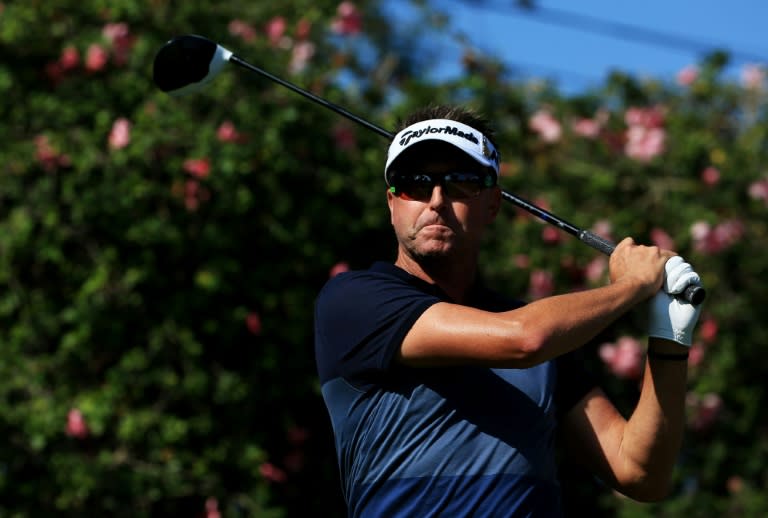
(453, 334)
(636, 456)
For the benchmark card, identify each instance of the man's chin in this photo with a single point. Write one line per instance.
(433, 250)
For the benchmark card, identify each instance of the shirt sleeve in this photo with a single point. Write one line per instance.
(361, 319)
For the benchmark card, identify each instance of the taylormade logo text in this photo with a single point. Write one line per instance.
(406, 137)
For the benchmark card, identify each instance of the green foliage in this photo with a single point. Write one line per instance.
(156, 293)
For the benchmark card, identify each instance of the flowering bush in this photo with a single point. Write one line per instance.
(680, 164)
(159, 257)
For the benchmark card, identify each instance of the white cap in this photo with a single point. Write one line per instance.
(464, 137)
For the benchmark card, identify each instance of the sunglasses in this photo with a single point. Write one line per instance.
(457, 186)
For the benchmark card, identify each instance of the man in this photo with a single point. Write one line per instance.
(445, 396)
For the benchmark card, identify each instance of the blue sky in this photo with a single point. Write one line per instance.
(576, 59)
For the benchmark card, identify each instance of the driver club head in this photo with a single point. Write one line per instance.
(185, 64)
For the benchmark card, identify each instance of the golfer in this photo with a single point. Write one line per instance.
(447, 398)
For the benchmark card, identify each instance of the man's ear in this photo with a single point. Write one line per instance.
(494, 204)
(390, 202)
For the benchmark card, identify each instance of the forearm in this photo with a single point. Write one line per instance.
(564, 322)
(653, 434)
(450, 334)
(637, 457)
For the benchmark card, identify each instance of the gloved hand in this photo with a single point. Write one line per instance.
(671, 318)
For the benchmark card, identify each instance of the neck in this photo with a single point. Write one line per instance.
(452, 275)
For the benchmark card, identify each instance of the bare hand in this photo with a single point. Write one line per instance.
(639, 264)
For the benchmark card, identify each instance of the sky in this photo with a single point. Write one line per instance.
(654, 38)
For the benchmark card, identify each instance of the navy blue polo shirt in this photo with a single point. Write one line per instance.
(449, 441)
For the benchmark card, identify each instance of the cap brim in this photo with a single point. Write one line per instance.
(467, 139)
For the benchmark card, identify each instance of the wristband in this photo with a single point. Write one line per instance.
(668, 356)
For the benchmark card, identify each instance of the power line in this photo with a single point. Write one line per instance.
(529, 70)
(618, 30)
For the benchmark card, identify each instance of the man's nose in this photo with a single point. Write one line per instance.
(437, 199)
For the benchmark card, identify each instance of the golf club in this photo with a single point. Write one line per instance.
(187, 63)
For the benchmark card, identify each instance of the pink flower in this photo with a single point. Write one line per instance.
(759, 190)
(69, 58)
(624, 358)
(115, 32)
(710, 176)
(708, 329)
(715, 239)
(48, 157)
(272, 473)
(193, 193)
(551, 235)
(700, 230)
(546, 126)
(76, 425)
(212, 508)
(344, 137)
(604, 229)
(688, 75)
(645, 117)
(348, 20)
(276, 30)
(696, 355)
(191, 200)
(121, 39)
(645, 137)
(303, 29)
(752, 77)
(253, 323)
(729, 232)
(198, 167)
(643, 143)
(587, 128)
(735, 484)
(44, 152)
(120, 135)
(703, 410)
(243, 30)
(522, 261)
(541, 284)
(300, 56)
(660, 238)
(95, 58)
(595, 270)
(227, 132)
(338, 268)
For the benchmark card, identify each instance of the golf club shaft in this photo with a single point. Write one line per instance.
(587, 237)
(693, 294)
(312, 97)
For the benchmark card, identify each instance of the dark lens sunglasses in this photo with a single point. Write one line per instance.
(457, 186)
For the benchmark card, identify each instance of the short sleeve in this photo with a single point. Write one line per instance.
(361, 318)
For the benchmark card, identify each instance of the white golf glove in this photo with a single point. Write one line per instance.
(671, 318)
